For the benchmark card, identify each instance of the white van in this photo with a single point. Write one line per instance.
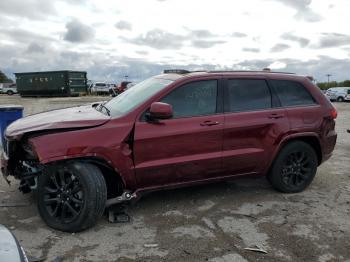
(8, 88)
(338, 94)
(347, 97)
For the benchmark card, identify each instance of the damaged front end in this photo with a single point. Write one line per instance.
(19, 160)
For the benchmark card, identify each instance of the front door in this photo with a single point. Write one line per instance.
(187, 147)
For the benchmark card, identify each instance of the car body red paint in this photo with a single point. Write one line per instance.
(174, 152)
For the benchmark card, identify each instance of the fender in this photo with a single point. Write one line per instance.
(287, 138)
(114, 148)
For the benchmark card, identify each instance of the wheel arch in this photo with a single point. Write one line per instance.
(308, 138)
(114, 180)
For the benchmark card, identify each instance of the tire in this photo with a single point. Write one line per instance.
(340, 99)
(84, 191)
(9, 92)
(294, 168)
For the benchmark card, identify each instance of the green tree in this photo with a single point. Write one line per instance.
(326, 85)
(344, 83)
(4, 78)
(322, 86)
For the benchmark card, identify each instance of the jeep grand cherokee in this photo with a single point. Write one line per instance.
(178, 128)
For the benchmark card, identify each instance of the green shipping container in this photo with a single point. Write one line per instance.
(51, 83)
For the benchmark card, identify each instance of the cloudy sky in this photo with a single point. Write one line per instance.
(111, 39)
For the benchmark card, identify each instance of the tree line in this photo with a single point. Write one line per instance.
(4, 78)
(326, 85)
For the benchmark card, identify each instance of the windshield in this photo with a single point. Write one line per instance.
(135, 96)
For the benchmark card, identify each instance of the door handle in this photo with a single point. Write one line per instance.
(210, 123)
(276, 116)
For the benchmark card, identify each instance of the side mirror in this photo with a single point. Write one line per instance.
(160, 110)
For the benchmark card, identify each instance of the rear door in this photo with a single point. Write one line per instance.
(187, 147)
(254, 124)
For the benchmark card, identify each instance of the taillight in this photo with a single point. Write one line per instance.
(334, 113)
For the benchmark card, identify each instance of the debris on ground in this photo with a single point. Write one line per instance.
(150, 245)
(256, 249)
(117, 214)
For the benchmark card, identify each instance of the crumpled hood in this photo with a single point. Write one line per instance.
(74, 117)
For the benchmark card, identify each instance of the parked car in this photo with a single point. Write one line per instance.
(337, 93)
(100, 88)
(8, 89)
(175, 129)
(122, 86)
(129, 85)
(347, 96)
(10, 249)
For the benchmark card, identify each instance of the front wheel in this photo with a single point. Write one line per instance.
(71, 197)
(10, 92)
(294, 168)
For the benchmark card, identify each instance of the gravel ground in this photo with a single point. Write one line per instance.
(204, 223)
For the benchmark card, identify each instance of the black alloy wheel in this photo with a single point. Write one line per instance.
(63, 196)
(294, 167)
(71, 196)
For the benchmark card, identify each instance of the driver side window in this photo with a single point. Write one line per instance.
(193, 99)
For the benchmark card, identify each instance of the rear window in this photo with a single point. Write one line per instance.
(292, 93)
(247, 95)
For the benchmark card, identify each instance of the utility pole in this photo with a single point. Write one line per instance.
(328, 76)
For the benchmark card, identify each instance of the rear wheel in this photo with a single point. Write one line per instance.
(10, 92)
(340, 99)
(294, 168)
(71, 197)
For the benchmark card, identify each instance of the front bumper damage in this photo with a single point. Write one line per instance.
(13, 162)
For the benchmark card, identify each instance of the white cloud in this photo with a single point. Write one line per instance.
(97, 35)
(277, 65)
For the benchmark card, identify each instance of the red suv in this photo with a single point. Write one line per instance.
(175, 129)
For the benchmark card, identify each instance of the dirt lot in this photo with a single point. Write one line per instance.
(205, 223)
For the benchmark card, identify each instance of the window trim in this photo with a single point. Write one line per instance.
(227, 102)
(219, 100)
(316, 103)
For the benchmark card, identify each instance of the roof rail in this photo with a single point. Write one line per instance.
(183, 71)
(248, 71)
(176, 71)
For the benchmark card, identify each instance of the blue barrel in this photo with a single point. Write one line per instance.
(8, 114)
